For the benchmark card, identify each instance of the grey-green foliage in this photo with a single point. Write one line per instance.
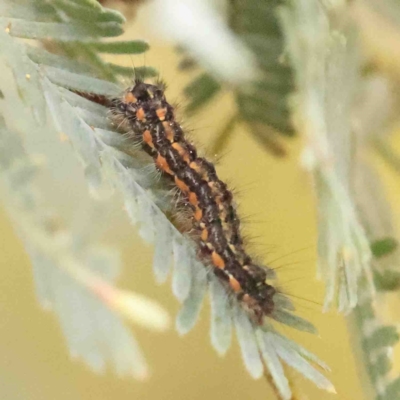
(324, 49)
(42, 80)
(378, 339)
(266, 100)
(93, 332)
(263, 103)
(377, 342)
(72, 33)
(324, 55)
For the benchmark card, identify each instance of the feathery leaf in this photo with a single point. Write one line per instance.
(324, 58)
(76, 284)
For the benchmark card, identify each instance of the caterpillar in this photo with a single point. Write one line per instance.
(143, 111)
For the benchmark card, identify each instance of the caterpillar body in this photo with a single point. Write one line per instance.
(144, 111)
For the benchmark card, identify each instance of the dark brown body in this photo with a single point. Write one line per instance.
(144, 111)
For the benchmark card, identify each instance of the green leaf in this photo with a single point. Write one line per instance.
(128, 47)
(366, 311)
(387, 280)
(384, 247)
(93, 4)
(68, 31)
(32, 11)
(293, 320)
(81, 83)
(252, 111)
(88, 11)
(41, 56)
(201, 91)
(260, 28)
(223, 136)
(268, 138)
(249, 347)
(381, 366)
(385, 336)
(392, 391)
(143, 72)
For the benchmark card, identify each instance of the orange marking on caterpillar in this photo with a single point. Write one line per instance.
(169, 133)
(201, 171)
(181, 185)
(204, 235)
(198, 168)
(182, 152)
(217, 260)
(234, 284)
(198, 214)
(129, 98)
(147, 138)
(161, 112)
(141, 115)
(163, 165)
(193, 199)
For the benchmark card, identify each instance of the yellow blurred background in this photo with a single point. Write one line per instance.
(276, 201)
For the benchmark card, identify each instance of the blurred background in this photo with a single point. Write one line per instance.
(277, 204)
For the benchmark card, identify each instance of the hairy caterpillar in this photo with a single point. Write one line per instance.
(144, 112)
